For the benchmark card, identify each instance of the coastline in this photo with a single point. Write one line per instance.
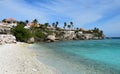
(63, 56)
(18, 59)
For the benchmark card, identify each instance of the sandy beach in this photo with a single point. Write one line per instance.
(18, 59)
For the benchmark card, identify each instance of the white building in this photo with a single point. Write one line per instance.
(10, 22)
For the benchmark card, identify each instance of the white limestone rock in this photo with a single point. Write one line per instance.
(7, 39)
(51, 37)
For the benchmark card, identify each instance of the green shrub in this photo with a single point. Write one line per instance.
(21, 33)
(40, 34)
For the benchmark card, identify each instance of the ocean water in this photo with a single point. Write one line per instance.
(81, 56)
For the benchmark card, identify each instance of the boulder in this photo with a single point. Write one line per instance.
(31, 40)
(89, 36)
(51, 38)
(69, 35)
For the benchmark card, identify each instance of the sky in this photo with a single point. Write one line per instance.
(87, 14)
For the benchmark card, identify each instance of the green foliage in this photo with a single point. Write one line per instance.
(76, 31)
(35, 21)
(97, 32)
(65, 24)
(4, 20)
(21, 33)
(69, 26)
(53, 24)
(40, 34)
(26, 21)
(43, 28)
(46, 25)
(21, 23)
(59, 33)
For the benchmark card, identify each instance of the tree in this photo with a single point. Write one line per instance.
(53, 24)
(22, 23)
(65, 24)
(26, 21)
(39, 34)
(21, 33)
(71, 23)
(35, 21)
(96, 30)
(42, 26)
(77, 28)
(56, 24)
(46, 24)
(4, 20)
(69, 26)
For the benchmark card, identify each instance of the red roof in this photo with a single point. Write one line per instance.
(10, 19)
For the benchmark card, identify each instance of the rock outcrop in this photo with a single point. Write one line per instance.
(66, 35)
(4, 30)
(51, 38)
(72, 35)
(31, 40)
(86, 36)
(69, 35)
(7, 39)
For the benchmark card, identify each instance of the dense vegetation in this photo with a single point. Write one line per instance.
(40, 31)
(21, 33)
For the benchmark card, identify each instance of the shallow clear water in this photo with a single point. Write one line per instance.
(82, 56)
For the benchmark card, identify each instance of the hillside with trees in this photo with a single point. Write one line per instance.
(26, 30)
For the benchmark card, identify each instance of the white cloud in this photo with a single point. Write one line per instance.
(18, 9)
(112, 27)
(81, 12)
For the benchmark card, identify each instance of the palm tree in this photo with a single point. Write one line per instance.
(46, 24)
(71, 23)
(53, 24)
(77, 28)
(4, 20)
(65, 24)
(22, 23)
(34, 23)
(69, 26)
(26, 22)
(56, 24)
(96, 30)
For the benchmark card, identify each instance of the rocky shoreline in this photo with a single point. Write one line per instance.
(59, 36)
(7, 39)
(34, 31)
(72, 35)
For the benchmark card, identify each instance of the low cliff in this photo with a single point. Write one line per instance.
(73, 35)
(7, 39)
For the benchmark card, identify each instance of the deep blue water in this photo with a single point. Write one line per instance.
(81, 56)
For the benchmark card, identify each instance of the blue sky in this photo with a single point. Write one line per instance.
(104, 14)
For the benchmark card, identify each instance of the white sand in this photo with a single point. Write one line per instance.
(17, 59)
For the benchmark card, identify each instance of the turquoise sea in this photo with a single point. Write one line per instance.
(81, 56)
